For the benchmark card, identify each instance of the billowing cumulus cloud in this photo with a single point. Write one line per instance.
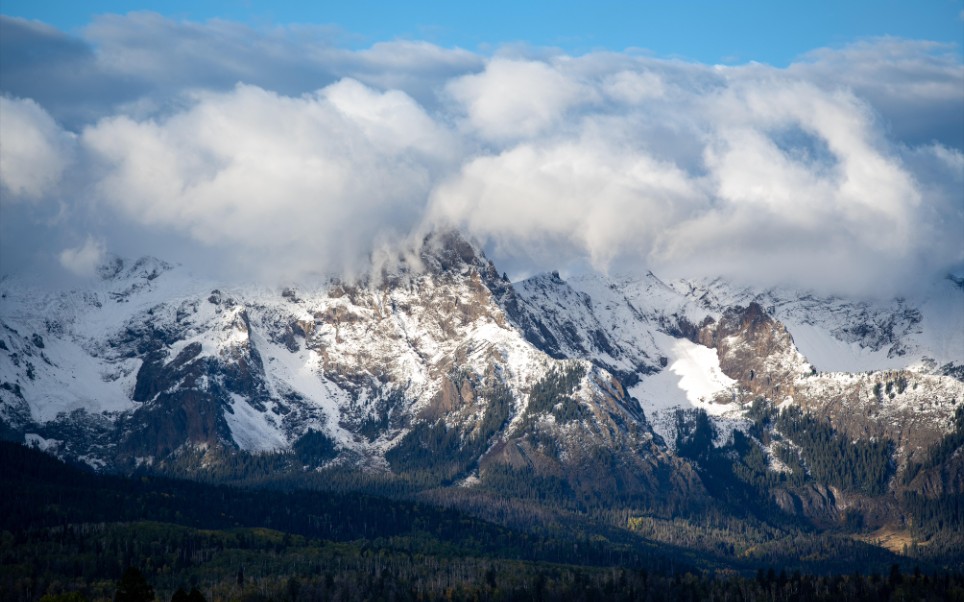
(914, 85)
(513, 99)
(281, 153)
(563, 200)
(312, 180)
(34, 151)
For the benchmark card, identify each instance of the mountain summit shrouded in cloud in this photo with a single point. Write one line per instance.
(279, 152)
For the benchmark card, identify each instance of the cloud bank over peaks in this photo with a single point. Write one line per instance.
(313, 156)
(314, 179)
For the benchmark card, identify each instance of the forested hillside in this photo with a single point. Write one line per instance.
(69, 532)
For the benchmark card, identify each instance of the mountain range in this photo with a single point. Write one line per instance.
(434, 377)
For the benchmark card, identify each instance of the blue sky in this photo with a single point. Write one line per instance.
(709, 31)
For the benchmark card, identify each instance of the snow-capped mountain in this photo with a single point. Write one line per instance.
(150, 365)
(706, 345)
(843, 335)
(441, 371)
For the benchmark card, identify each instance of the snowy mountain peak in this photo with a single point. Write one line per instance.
(840, 334)
(448, 251)
(145, 268)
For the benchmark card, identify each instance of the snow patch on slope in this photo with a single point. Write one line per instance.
(77, 381)
(692, 379)
(830, 354)
(251, 429)
(302, 372)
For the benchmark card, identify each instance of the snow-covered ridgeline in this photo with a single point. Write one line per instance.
(335, 357)
(855, 335)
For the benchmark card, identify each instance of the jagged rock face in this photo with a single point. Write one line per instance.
(756, 351)
(910, 408)
(817, 502)
(944, 480)
(571, 326)
(187, 398)
(828, 507)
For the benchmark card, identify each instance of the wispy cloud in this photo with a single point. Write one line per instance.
(281, 152)
(83, 260)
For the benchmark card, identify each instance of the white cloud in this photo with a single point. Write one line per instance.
(83, 260)
(34, 151)
(417, 68)
(795, 184)
(835, 167)
(305, 182)
(914, 85)
(843, 170)
(514, 99)
(633, 87)
(557, 200)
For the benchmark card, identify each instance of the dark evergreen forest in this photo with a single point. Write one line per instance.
(67, 534)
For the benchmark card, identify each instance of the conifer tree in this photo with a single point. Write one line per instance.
(133, 587)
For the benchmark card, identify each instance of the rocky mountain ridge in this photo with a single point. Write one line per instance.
(442, 373)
